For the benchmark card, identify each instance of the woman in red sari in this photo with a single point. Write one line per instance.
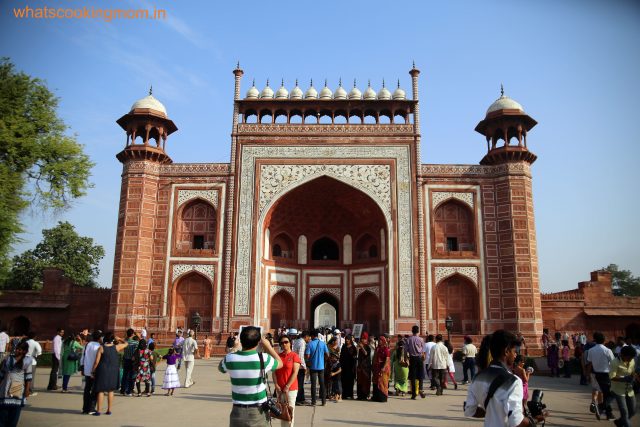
(381, 371)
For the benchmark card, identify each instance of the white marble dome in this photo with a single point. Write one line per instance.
(355, 92)
(282, 92)
(326, 93)
(369, 93)
(296, 92)
(399, 93)
(504, 103)
(150, 103)
(311, 93)
(253, 92)
(340, 93)
(267, 92)
(384, 93)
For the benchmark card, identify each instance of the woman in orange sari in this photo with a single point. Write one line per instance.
(381, 371)
(207, 347)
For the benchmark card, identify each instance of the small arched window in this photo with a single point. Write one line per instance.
(373, 251)
(277, 250)
(325, 249)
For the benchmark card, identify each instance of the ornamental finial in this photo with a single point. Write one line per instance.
(325, 82)
(253, 83)
(383, 83)
(150, 89)
(282, 82)
(501, 90)
(398, 83)
(340, 82)
(354, 83)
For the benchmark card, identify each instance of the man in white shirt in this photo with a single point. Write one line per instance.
(504, 407)
(35, 350)
(55, 360)
(439, 359)
(469, 352)
(599, 360)
(189, 351)
(299, 347)
(4, 341)
(143, 333)
(86, 362)
(428, 345)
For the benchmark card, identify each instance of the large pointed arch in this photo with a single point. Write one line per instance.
(190, 293)
(344, 195)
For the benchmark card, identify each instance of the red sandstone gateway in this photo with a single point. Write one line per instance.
(326, 216)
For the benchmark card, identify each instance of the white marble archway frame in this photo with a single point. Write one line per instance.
(401, 182)
(443, 273)
(440, 197)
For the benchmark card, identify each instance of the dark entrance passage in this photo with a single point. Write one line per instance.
(367, 311)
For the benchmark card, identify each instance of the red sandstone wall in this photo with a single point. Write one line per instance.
(59, 304)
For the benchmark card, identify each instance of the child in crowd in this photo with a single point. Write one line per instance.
(171, 379)
(154, 361)
(336, 382)
(524, 374)
(452, 366)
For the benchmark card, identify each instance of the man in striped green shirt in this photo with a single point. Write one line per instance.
(248, 390)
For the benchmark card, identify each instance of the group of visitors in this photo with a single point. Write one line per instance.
(335, 367)
(613, 370)
(96, 356)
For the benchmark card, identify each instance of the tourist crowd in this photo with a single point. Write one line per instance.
(337, 365)
(106, 363)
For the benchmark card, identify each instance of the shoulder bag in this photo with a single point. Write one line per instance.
(286, 411)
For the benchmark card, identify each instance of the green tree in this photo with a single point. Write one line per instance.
(40, 165)
(623, 282)
(63, 248)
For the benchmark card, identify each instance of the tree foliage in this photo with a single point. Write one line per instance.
(623, 283)
(40, 165)
(63, 248)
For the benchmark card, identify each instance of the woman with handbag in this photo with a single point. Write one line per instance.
(71, 352)
(286, 381)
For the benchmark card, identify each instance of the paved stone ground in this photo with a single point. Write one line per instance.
(207, 403)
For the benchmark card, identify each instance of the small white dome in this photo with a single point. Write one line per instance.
(384, 93)
(355, 92)
(296, 92)
(311, 93)
(370, 94)
(399, 94)
(282, 92)
(340, 93)
(326, 93)
(267, 92)
(150, 103)
(504, 103)
(253, 92)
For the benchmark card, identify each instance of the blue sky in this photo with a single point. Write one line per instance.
(573, 65)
